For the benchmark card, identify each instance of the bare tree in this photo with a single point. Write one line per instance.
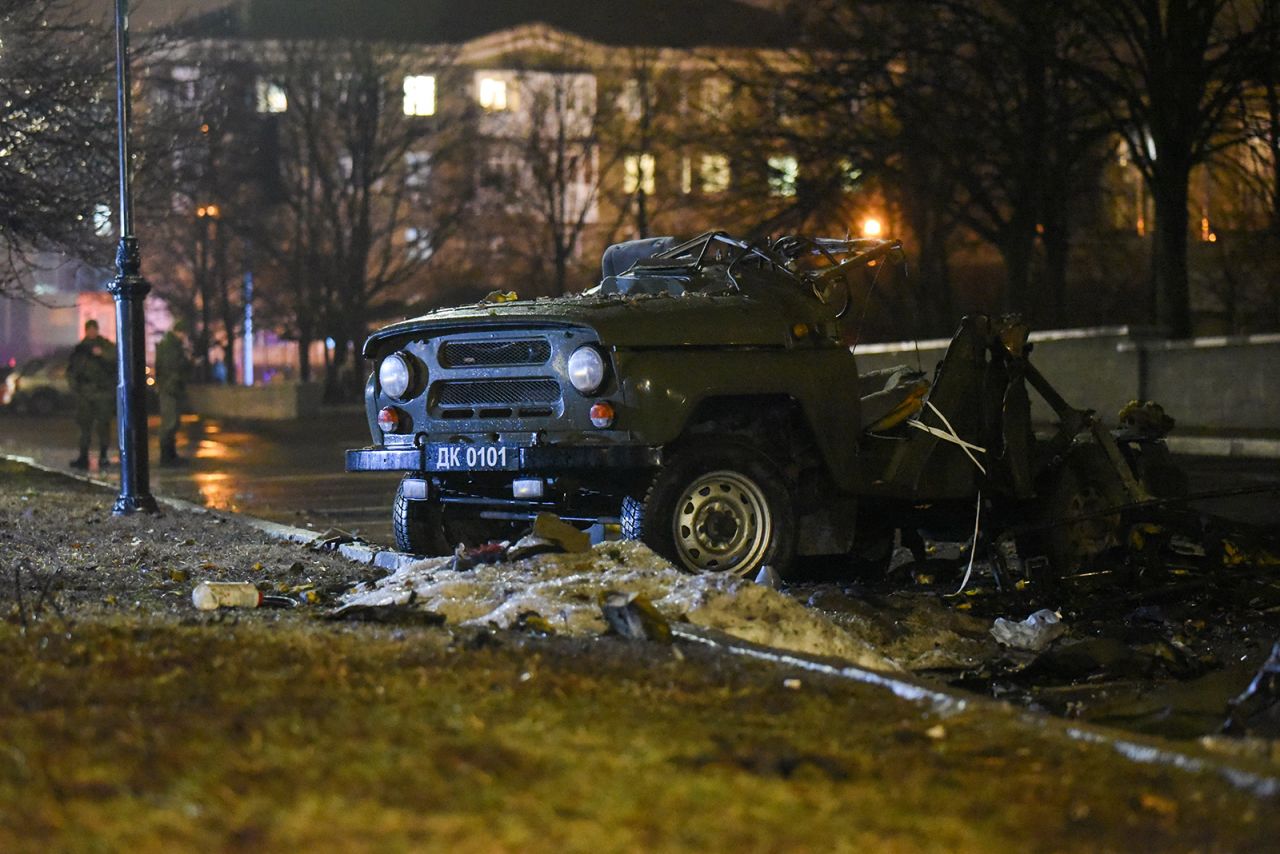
(368, 192)
(1260, 118)
(541, 184)
(860, 122)
(967, 113)
(56, 135)
(641, 125)
(1167, 72)
(202, 174)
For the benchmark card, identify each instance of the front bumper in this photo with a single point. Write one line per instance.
(540, 459)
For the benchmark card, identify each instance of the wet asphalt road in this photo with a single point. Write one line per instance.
(292, 472)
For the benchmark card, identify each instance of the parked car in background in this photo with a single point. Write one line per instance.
(38, 386)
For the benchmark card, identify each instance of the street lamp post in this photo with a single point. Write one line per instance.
(129, 289)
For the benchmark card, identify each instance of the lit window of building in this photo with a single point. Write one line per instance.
(271, 97)
(638, 174)
(420, 95)
(686, 174)
(714, 172)
(417, 168)
(417, 244)
(784, 170)
(492, 94)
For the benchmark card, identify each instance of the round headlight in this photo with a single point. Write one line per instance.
(395, 375)
(586, 369)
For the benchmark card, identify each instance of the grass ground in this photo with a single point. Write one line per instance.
(128, 721)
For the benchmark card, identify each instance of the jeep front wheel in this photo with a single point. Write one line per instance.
(419, 525)
(717, 508)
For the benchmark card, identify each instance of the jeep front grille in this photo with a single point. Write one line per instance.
(480, 354)
(515, 392)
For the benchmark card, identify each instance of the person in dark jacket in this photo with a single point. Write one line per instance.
(92, 375)
(172, 369)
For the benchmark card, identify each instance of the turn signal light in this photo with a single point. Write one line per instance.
(393, 419)
(602, 414)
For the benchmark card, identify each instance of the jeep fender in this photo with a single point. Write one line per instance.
(663, 388)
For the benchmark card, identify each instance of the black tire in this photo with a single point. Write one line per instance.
(419, 525)
(427, 528)
(717, 507)
(1086, 486)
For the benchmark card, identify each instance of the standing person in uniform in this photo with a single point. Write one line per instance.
(92, 374)
(172, 370)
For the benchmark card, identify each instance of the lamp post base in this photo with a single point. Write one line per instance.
(129, 504)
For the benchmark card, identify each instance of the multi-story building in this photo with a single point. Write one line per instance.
(502, 148)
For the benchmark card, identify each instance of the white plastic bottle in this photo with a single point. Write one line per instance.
(211, 595)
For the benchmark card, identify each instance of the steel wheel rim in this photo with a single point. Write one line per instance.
(722, 523)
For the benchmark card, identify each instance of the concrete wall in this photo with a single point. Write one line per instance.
(1221, 384)
(279, 401)
(1218, 383)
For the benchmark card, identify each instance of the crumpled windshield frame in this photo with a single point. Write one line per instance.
(781, 255)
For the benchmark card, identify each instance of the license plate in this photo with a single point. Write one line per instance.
(482, 457)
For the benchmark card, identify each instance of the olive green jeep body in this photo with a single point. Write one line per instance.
(703, 397)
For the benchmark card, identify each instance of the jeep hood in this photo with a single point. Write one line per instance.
(701, 320)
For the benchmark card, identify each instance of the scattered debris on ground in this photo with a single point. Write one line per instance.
(565, 590)
(1032, 634)
(634, 617)
(64, 556)
(1257, 710)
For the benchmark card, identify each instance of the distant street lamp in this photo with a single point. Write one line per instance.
(129, 289)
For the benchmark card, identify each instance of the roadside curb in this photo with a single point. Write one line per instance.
(1234, 447)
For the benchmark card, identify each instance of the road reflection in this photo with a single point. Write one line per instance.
(216, 488)
(290, 472)
(210, 449)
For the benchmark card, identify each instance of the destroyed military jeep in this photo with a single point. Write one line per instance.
(702, 398)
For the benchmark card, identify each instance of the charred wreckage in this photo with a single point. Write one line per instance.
(703, 398)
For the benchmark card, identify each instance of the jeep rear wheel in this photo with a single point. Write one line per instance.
(717, 508)
(1084, 524)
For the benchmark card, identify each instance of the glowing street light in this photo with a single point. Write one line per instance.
(871, 227)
